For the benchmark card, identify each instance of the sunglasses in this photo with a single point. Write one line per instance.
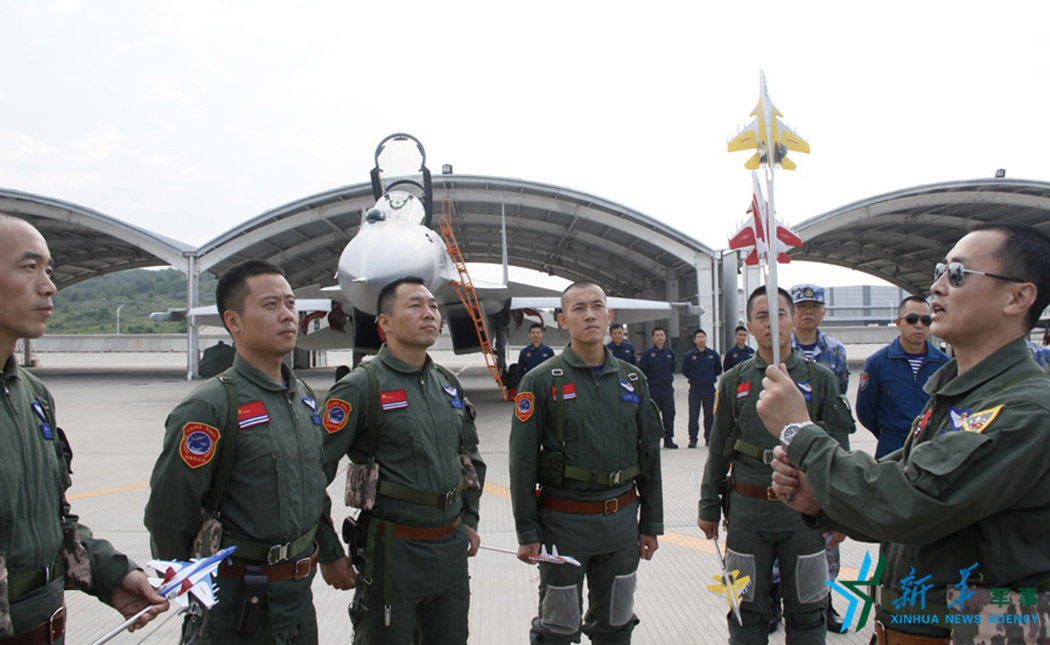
(911, 319)
(956, 271)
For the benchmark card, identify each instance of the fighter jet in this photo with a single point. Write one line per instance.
(753, 232)
(766, 132)
(193, 577)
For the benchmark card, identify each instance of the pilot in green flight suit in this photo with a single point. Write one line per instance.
(275, 492)
(427, 485)
(761, 529)
(586, 432)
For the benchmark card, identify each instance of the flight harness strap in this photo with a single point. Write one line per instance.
(750, 449)
(389, 488)
(576, 473)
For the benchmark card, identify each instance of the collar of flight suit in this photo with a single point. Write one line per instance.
(250, 372)
(398, 365)
(945, 381)
(610, 364)
(760, 363)
(11, 368)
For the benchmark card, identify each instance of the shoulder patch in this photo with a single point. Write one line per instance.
(979, 421)
(336, 414)
(717, 398)
(863, 381)
(198, 444)
(524, 406)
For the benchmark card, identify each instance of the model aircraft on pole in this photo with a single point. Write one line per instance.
(772, 139)
(180, 580)
(753, 233)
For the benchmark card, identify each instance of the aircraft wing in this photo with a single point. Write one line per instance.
(162, 566)
(204, 592)
(790, 140)
(747, 138)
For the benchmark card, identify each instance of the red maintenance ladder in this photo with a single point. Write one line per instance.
(467, 295)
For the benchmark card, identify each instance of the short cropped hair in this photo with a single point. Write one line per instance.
(536, 326)
(739, 328)
(615, 326)
(656, 329)
(578, 285)
(904, 303)
(699, 330)
(1025, 254)
(233, 285)
(761, 291)
(385, 301)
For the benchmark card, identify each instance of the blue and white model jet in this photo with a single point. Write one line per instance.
(194, 577)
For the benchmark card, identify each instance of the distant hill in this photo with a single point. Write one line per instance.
(90, 307)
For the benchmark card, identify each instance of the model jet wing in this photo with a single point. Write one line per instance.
(753, 233)
(626, 310)
(767, 133)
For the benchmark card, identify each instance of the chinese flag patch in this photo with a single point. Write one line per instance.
(524, 406)
(743, 389)
(198, 444)
(393, 400)
(336, 412)
(569, 389)
(252, 414)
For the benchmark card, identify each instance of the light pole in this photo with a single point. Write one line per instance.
(118, 319)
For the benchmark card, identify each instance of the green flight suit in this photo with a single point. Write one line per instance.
(275, 493)
(424, 424)
(972, 484)
(610, 425)
(761, 530)
(33, 507)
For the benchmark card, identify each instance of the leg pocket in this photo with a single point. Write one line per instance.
(621, 603)
(744, 565)
(811, 574)
(560, 610)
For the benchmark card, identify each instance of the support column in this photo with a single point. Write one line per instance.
(674, 323)
(192, 335)
(707, 297)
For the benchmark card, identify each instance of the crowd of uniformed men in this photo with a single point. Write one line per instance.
(960, 477)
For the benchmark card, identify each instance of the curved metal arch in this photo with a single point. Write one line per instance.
(64, 224)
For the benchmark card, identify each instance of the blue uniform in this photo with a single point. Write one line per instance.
(1041, 355)
(890, 394)
(736, 356)
(624, 351)
(702, 370)
(659, 366)
(831, 354)
(531, 356)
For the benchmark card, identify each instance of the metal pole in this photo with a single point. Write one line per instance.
(118, 318)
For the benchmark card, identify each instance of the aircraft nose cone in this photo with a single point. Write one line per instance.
(384, 251)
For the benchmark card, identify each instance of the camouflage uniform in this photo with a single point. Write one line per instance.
(424, 424)
(34, 512)
(275, 494)
(603, 411)
(761, 529)
(970, 485)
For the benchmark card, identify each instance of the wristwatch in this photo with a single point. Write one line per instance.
(787, 434)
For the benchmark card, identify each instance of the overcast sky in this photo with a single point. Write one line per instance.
(189, 117)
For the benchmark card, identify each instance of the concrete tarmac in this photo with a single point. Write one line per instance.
(113, 408)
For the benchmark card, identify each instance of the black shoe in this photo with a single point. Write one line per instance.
(692, 443)
(834, 620)
(670, 445)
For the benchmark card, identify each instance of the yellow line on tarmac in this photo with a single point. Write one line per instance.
(107, 491)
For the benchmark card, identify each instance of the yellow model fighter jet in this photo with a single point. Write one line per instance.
(766, 132)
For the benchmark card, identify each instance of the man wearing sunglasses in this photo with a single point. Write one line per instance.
(890, 394)
(964, 507)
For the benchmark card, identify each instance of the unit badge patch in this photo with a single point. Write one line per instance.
(336, 414)
(863, 381)
(806, 389)
(627, 385)
(524, 406)
(979, 421)
(198, 444)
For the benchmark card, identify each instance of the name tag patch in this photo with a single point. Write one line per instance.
(629, 397)
(45, 427)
